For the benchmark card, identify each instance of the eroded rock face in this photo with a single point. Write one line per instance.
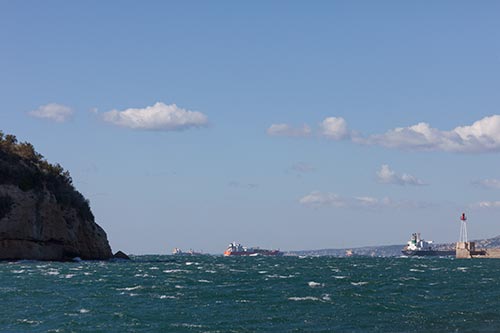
(33, 225)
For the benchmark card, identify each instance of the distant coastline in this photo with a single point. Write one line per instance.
(388, 250)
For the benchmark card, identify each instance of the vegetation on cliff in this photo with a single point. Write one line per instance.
(21, 165)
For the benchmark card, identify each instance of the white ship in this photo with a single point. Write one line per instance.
(417, 246)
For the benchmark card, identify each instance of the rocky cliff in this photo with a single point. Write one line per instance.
(42, 216)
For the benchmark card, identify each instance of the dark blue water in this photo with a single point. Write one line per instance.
(253, 294)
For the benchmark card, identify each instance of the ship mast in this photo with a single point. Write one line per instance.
(463, 228)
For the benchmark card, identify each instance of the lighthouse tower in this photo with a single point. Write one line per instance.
(463, 228)
(464, 248)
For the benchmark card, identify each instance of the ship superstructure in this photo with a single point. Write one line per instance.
(236, 249)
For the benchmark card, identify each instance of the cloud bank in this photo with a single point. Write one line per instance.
(488, 183)
(288, 130)
(387, 176)
(53, 111)
(482, 136)
(159, 117)
(318, 199)
(487, 204)
(479, 137)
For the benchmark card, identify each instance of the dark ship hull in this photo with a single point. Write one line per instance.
(425, 253)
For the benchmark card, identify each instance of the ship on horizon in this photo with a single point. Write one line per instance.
(236, 249)
(179, 252)
(417, 246)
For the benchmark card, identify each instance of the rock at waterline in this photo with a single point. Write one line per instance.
(121, 255)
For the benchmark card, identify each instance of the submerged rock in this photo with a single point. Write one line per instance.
(42, 216)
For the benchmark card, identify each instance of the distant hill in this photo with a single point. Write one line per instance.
(390, 250)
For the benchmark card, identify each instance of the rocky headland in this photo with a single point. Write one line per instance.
(42, 215)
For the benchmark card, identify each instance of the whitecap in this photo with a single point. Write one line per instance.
(306, 298)
(204, 281)
(84, 311)
(340, 277)
(174, 270)
(167, 297)
(326, 297)
(130, 288)
(28, 321)
(406, 278)
(416, 270)
(187, 325)
(20, 271)
(69, 276)
(313, 284)
(361, 283)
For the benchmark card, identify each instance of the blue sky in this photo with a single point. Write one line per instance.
(278, 124)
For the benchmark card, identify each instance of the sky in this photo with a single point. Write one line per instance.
(279, 124)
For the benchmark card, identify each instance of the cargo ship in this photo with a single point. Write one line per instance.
(236, 249)
(417, 246)
(179, 252)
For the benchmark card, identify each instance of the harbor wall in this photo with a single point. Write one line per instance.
(465, 250)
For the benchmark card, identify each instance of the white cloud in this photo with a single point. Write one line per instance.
(387, 176)
(159, 117)
(287, 130)
(482, 136)
(488, 183)
(321, 199)
(53, 111)
(334, 128)
(316, 199)
(487, 204)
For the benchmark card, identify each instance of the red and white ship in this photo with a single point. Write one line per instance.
(236, 249)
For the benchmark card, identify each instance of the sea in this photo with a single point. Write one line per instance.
(251, 294)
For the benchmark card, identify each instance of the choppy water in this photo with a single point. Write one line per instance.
(253, 294)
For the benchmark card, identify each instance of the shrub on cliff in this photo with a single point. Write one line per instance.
(21, 165)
